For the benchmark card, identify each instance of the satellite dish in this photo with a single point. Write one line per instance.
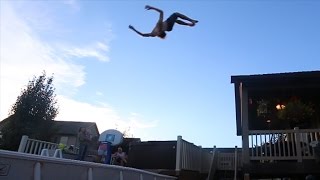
(112, 136)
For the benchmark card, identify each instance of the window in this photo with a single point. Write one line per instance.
(64, 139)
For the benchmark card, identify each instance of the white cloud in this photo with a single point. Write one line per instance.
(73, 4)
(104, 115)
(96, 51)
(102, 46)
(72, 110)
(135, 121)
(98, 93)
(25, 55)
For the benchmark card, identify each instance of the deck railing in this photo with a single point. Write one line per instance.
(282, 144)
(33, 146)
(192, 157)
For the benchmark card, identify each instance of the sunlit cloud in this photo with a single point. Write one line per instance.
(72, 110)
(72, 3)
(103, 115)
(102, 46)
(96, 51)
(24, 55)
(98, 93)
(135, 120)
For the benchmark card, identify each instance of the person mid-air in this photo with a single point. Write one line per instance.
(162, 26)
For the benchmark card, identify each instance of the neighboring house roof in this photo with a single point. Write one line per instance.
(65, 127)
(72, 127)
(274, 80)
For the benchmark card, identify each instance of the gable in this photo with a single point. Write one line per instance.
(72, 127)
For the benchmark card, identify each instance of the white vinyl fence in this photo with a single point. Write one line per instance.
(33, 146)
(192, 157)
(188, 155)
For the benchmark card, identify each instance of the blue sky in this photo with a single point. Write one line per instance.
(160, 89)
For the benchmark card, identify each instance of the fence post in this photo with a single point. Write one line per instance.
(298, 145)
(23, 143)
(178, 154)
(200, 159)
(235, 162)
(37, 171)
(90, 176)
(213, 165)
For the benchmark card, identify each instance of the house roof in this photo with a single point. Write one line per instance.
(275, 78)
(302, 79)
(63, 127)
(72, 127)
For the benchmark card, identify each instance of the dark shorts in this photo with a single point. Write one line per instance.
(170, 21)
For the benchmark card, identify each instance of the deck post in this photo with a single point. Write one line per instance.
(245, 124)
(23, 143)
(298, 145)
(235, 162)
(178, 154)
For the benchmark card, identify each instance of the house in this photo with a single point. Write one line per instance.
(67, 132)
(278, 117)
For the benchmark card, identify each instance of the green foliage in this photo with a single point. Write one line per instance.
(286, 113)
(32, 114)
(62, 146)
(296, 112)
(262, 109)
(126, 133)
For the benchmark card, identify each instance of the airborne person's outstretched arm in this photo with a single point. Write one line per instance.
(147, 7)
(140, 33)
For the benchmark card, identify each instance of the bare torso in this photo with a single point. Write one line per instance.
(159, 28)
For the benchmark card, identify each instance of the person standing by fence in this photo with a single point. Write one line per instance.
(84, 140)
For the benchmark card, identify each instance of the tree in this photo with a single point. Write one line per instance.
(127, 134)
(32, 114)
(297, 113)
